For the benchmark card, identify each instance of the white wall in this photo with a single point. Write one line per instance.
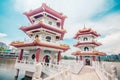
(42, 54)
(81, 38)
(42, 36)
(90, 48)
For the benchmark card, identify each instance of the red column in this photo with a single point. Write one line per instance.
(76, 58)
(37, 55)
(93, 58)
(59, 56)
(81, 58)
(20, 55)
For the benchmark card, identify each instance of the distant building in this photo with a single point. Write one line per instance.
(87, 43)
(3, 45)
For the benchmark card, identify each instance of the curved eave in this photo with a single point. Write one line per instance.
(95, 34)
(41, 45)
(92, 53)
(45, 8)
(85, 43)
(42, 25)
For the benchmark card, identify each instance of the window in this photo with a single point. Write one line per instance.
(47, 51)
(48, 38)
(86, 49)
(50, 22)
(58, 24)
(36, 36)
(85, 39)
(57, 37)
(33, 56)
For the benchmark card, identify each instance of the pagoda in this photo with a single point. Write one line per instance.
(87, 43)
(45, 31)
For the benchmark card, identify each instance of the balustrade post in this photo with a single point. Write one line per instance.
(114, 72)
(37, 73)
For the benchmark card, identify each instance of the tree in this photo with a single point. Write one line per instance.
(65, 57)
(2, 49)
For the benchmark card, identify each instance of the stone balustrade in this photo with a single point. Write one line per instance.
(74, 67)
(103, 74)
(48, 68)
(62, 75)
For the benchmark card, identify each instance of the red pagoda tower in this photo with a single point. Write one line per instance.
(86, 43)
(45, 30)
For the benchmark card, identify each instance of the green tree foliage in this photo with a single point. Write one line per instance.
(67, 57)
(2, 49)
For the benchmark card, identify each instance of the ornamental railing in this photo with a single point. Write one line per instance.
(60, 72)
(48, 68)
(103, 74)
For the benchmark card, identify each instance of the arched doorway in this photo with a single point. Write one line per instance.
(46, 59)
(87, 61)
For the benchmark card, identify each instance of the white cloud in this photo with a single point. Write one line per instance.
(78, 13)
(2, 35)
(4, 39)
(70, 51)
(111, 43)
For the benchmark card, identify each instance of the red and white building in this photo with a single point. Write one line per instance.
(87, 43)
(45, 31)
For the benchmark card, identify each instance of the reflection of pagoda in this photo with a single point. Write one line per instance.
(45, 30)
(87, 43)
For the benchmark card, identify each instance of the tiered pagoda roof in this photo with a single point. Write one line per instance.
(86, 43)
(39, 43)
(41, 25)
(45, 8)
(88, 53)
(86, 31)
(91, 32)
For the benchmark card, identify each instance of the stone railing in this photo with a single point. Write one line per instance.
(103, 74)
(74, 67)
(54, 72)
(62, 75)
(24, 61)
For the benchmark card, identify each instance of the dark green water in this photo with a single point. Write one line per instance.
(7, 70)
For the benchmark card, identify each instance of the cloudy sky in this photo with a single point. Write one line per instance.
(101, 15)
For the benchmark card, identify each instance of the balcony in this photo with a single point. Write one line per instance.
(47, 68)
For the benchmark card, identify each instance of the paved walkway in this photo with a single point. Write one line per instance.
(87, 73)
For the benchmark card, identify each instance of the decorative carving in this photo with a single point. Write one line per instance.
(64, 45)
(17, 43)
(36, 40)
(114, 72)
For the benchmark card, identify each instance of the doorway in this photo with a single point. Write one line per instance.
(87, 61)
(46, 58)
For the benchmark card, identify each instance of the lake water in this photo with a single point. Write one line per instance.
(7, 70)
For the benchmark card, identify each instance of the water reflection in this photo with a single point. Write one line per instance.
(7, 70)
